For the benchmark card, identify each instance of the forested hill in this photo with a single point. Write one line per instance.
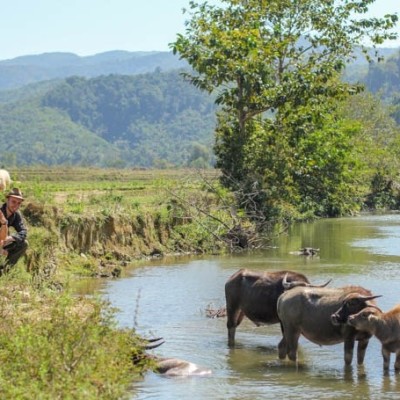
(24, 70)
(383, 79)
(149, 120)
(153, 119)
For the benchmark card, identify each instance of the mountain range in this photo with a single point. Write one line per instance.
(118, 109)
(28, 69)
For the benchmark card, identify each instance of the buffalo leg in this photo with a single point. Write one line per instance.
(234, 319)
(397, 362)
(292, 342)
(282, 348)
(348, 350)
(361, 349)
(386, 358)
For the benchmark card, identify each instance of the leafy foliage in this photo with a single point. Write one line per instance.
(57, 346)
(376, 138)
(274, 67)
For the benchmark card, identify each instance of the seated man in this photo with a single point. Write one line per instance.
(15, 245)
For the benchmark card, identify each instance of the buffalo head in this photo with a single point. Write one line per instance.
(361, 319)
(150, 344)
(352, 304)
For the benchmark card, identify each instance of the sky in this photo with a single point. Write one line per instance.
(88, 27)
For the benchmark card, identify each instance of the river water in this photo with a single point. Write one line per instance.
(168, 298)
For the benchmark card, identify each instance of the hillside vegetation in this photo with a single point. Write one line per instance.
(383, 79)
(150, 120)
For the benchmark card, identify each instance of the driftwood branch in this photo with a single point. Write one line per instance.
(215, 313)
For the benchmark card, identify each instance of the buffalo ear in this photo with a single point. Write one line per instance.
(371, 317)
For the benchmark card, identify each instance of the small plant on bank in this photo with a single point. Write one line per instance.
(76, 207)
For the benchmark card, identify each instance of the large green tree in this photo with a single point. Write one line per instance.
(274, 66)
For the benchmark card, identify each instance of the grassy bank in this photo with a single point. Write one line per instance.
(98, 220)
(54, 345)
(92, 222)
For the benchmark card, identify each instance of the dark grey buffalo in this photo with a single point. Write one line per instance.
(254, 295)
(310, 312)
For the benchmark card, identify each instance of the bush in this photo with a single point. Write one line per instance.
(60, 347)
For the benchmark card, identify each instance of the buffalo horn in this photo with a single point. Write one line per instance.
(323, 285)
(366, 298)
(289, 285)
(285, 283)
(153, 343)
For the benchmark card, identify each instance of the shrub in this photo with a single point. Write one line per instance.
(60, 347)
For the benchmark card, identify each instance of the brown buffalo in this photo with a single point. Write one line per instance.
(308, 311)
(254, 295)
(385, 326)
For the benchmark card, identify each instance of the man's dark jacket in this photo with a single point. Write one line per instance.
(15, 220)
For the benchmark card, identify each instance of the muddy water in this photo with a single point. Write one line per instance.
(169, 299)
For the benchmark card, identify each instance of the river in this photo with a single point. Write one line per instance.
(168, 298)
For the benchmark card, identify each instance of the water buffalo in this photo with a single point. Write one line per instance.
(385, 326)
(5, 179)
(178, 367)
(254, 295)
(306, 251)
(309, 311)
(171, 366)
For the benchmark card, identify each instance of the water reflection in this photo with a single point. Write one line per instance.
(169, 298)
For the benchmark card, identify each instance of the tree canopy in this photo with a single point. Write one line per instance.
(275, 67)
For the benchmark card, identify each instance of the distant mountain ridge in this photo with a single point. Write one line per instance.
(123, 109)
(24, 70)
(28, 69)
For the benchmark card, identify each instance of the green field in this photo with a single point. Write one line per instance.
(95, 188)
